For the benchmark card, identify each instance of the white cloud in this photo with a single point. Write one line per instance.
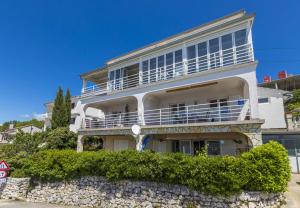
(25, 116)
(39, 116)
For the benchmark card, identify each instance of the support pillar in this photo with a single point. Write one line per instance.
(255, 139)
(140, 105)
(139, 142)
(80, 143)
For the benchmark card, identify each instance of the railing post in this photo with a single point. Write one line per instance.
(160, 116)
(219, 106)
(234, 55)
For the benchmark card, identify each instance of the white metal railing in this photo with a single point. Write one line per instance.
(236, 55)
(208, 112)
(113, 120)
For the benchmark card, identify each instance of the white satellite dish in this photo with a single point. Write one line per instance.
(136, 129)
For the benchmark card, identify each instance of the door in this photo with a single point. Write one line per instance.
(185, 147)
(120, 144)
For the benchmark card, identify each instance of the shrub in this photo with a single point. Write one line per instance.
(267, 168)
(61, 138)
(264, 168)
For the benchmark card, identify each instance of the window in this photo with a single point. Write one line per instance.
(214, 53)
(178, 63)
(73, 105)
(153, 70)
(202, 56)
(169, 63)
(214, 148)
(178, 113)
(145, 70)
(227, 49)
(191, 55)
(263, 100)
(242, 54)
(185, 147)
(161, 68)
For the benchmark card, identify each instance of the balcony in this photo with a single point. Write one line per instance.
(235, 110)
(222, 58)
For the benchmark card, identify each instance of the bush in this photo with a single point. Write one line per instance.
(61, 138)
(265, 168)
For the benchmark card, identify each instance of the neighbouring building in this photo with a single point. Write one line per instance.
(12, 131)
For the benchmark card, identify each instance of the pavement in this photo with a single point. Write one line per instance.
(293, 193)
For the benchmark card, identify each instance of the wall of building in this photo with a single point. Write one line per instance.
(112, 143)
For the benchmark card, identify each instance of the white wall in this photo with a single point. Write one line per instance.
(273, 113)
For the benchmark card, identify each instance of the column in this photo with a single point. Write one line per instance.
(84, 82)
(80, 143)
(140, 105)
(184, 59)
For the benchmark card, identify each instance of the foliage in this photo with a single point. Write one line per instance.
(264, 168)
(92, 143)
(59, 110)
(19, 124)
(68, 107)
(61, 113)
(294, 102)
(61, 138)
(267, 167)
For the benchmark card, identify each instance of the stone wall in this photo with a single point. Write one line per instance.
(98, 192)
(15, 188)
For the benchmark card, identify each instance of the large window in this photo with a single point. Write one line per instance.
(153, 74)
(161, 67)
(178, 63)
(169, 63)
(198, 60)
(145, 69)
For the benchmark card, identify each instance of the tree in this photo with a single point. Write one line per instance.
(59, 111)
(68, 107)
(61, 138)
(294, 103)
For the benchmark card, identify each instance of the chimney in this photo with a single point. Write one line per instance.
(267, 79)
(282, 74)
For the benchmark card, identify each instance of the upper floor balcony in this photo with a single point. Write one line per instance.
(217, 53)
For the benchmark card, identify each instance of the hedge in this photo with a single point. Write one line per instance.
(265, 168)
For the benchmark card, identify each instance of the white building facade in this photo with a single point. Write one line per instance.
(192, 89)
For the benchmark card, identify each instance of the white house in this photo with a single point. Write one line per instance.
(194, 88)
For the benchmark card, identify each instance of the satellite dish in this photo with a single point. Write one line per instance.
(136, 129)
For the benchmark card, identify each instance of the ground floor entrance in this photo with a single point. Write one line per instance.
(193, 144)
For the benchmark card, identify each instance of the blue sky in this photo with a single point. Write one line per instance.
(46, 44)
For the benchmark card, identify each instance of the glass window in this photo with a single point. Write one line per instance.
(202, 56)
(185, 147)
(214, 148)
(169, 63)
(153, 70)
(161, 68)
(227, 45)
(240, 37)
(263, 100)
(191, 55)
(178, 63)
(214, 53)
(145, 69)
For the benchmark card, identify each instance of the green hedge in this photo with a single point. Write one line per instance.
(264, 168)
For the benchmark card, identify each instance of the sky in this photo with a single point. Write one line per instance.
(49, 43)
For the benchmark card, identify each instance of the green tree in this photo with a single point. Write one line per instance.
(59, 111)
(68, 106)
(61, 138)
(294, 103)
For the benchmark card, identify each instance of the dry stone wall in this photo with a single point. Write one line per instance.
(98, 192)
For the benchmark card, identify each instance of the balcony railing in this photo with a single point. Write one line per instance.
(232, 56)
(210, 112)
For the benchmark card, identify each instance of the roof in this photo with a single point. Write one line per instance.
(196, 31)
